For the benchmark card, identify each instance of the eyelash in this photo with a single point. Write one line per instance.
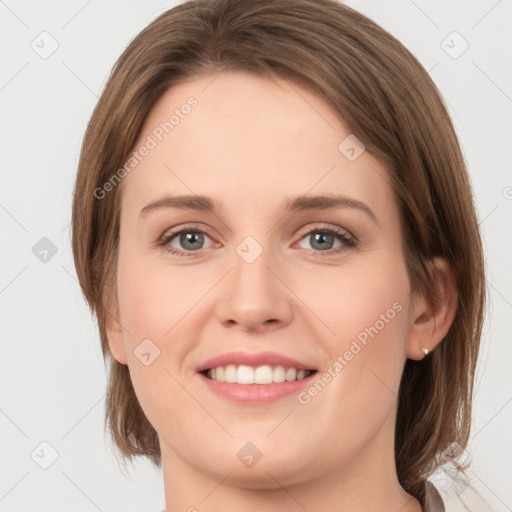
(347, 240)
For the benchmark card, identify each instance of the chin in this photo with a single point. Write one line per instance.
(261, 464)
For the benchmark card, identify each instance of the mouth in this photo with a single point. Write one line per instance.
(252, 378)
(264, 374)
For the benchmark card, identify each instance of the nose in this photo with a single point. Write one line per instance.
(255, 297)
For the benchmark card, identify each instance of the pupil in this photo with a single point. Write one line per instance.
(190, 238)
(321, 237)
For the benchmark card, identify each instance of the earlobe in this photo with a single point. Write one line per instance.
(115, 343)
(115, 337)
(432, 318)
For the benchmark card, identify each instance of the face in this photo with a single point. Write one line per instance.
(260, 268)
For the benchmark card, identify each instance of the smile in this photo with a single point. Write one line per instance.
(265, 374)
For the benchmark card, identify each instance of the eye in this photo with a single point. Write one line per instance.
(188, 240)
(323, 239)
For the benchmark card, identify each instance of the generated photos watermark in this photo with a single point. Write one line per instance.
(342, 360)
(151, 142)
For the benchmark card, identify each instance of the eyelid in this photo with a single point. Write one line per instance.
(322, 226)
(170, 233)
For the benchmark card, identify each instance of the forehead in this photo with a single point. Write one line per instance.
(246, 139)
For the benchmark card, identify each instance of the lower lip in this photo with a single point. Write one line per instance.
(256, 393)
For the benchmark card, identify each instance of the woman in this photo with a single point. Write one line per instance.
(274, 225)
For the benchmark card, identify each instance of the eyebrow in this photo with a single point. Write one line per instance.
(298, 203)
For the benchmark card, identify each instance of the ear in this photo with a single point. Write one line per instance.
(431, 319)
(114, 331)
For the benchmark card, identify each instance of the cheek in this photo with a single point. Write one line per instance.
(152, 298)
(359, 303)
(151, 304)
(367, 314)
(158, 307)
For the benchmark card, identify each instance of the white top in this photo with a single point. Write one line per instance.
(433, 500)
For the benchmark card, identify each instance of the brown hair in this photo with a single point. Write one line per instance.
(388, 101)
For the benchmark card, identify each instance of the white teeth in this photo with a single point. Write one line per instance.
(230, 373)
(245, 375)
(279, 375)
(265, 374)
(291, 374)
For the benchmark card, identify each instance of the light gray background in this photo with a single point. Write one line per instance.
(52, 385)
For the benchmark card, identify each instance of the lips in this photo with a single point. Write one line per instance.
(254, 359)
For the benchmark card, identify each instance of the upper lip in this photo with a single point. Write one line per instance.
(253, 359)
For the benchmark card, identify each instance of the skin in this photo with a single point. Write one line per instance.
(251, 144)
